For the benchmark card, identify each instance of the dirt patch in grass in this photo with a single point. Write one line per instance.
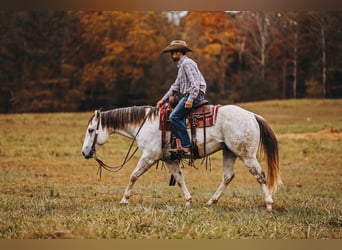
(327, 134)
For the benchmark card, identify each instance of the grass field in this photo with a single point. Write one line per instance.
(48, 190)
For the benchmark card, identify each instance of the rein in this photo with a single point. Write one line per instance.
(128, 157)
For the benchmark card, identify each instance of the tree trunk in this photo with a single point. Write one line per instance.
(324, 70)
(295, 64)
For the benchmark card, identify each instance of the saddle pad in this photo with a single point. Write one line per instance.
(210, 113)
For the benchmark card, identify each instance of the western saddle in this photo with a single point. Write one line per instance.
(203, 115)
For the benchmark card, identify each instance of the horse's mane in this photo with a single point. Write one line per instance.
(118, 118)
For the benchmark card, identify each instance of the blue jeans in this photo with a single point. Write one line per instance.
(177, 121)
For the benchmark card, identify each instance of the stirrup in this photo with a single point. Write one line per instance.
(175, 150)
(180, 151)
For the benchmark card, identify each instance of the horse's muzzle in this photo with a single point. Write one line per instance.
(88, 156)
(91, 153)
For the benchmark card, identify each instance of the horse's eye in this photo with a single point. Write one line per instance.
(91, 130)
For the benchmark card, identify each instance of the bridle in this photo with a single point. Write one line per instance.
(96, 135)
(129, 155)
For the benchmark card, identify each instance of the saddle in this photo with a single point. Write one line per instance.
(203, 116)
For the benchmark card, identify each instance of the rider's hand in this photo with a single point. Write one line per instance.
(188, 104)
(160, 103)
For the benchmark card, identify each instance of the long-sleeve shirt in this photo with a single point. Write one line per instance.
(189, 81)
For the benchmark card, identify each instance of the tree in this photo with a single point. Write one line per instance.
(34, 53)
(288, 44)
(76, 60)
(258, 56)
(213, 38)
(123, 48)
(259, 36)
(320, 24)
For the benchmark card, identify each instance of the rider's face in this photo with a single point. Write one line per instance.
(176, 55)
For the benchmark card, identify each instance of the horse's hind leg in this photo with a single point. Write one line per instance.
(228, 174)
(255, 169)
(176, 171)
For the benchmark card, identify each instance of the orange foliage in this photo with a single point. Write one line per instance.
(129, 42)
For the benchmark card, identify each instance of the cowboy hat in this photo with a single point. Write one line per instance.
(177, 45)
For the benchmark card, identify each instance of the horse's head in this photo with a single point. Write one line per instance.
(95, 136)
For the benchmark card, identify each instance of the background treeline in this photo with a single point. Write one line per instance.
(74, 60)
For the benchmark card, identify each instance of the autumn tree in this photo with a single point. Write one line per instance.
(213, 38)
(32, 54)
(80, 60)
(123, 45)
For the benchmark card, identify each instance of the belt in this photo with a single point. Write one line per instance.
(201, 93)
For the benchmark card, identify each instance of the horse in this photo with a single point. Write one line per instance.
(237, 132)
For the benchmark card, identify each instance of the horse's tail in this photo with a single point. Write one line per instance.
(269, 144)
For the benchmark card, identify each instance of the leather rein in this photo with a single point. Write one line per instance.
(128, 156)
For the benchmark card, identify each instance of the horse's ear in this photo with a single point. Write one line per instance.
(97, 114)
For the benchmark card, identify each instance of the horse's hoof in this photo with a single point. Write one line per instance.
(269, 207)
(188, 204)
(211, 202)
(123, 203)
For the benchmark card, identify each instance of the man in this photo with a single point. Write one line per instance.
(190, 85)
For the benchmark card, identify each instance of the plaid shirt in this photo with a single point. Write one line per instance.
(189, 81)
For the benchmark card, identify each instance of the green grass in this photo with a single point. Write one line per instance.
(48, 190)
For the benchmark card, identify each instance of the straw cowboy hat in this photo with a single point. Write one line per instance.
(177, 45)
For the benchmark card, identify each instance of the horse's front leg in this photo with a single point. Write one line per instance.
(143, 165)
(176, 171)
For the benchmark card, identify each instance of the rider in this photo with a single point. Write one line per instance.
(190, 85)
